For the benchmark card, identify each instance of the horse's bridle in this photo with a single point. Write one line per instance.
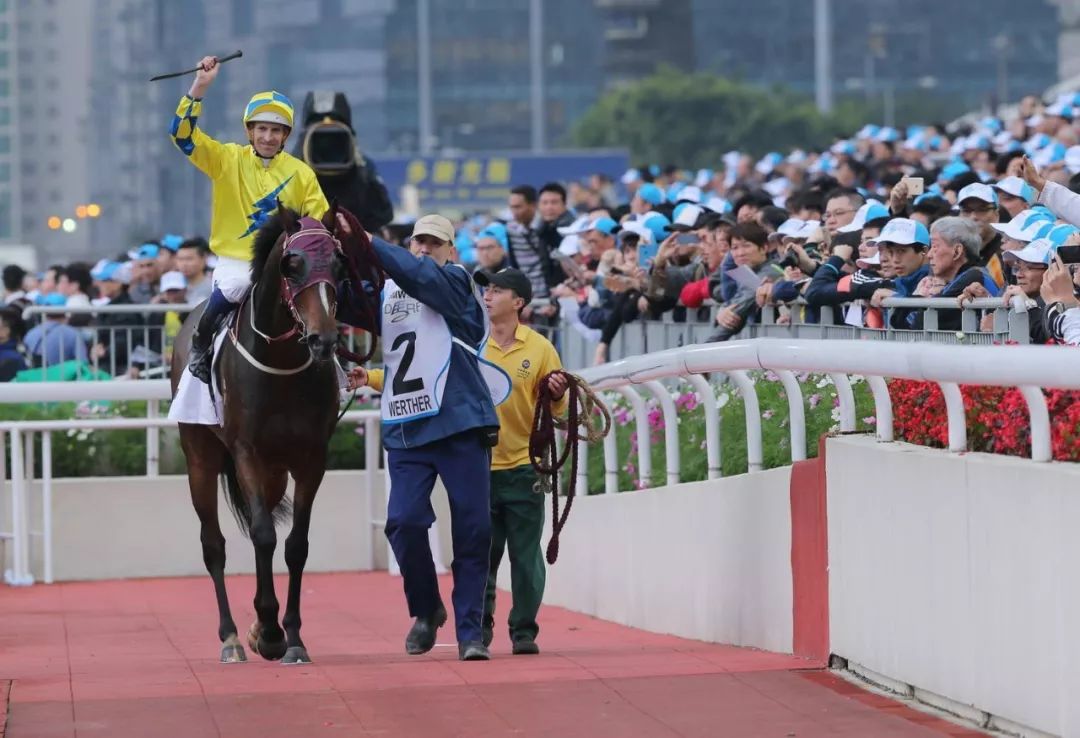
(308, 241)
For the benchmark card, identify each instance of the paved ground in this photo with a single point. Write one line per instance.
(139, 658)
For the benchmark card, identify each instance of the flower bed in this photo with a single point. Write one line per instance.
(997, 418)
(997, 422)
(822, 410)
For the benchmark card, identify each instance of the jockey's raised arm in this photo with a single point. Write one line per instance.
(249, 181)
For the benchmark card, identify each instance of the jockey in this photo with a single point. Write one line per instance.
(248, 183)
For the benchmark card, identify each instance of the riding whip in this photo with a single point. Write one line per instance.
(221, 60)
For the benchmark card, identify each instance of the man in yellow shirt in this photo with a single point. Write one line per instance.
(517, 509)
(248, 183)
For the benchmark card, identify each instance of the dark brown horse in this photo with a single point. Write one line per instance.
(280, 388)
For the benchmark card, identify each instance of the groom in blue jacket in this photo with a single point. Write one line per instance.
(438, 419)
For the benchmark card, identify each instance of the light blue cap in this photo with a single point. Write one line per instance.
(496, 231)
(1058, 235)
(606, 226)
(657, 223)
(651, 194)
(954, 169)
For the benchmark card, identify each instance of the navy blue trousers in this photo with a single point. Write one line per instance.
(464, 464)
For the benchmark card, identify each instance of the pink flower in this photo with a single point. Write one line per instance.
(870, 420)
(767, 414)
(815, 400)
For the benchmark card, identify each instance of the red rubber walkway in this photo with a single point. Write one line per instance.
(139, 658)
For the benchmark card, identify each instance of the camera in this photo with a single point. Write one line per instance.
(791, 259)
(328, 143)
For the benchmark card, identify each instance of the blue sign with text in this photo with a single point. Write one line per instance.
(483, 180)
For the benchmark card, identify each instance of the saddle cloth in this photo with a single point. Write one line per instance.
(193, 402)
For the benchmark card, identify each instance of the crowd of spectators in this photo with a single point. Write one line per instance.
(982, 213)
(172, 270)
(988, 211)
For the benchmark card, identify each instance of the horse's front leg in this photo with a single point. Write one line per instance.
(265, 636)
(205, 461)
(296, 552)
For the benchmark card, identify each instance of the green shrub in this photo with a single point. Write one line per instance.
(94, 453)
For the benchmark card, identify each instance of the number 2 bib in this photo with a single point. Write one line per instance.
(416, 350)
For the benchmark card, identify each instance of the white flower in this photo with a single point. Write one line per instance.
(823, 382)
(723, 400)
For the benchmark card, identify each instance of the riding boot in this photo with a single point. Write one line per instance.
(214, 316)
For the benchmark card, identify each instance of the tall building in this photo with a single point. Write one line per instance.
(962, 52)
(480, 68)
(9, 191)
(50, 124)
(642, 35)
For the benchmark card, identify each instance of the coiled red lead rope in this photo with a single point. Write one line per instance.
(581, 420)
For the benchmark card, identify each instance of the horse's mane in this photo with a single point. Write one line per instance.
(265, 240)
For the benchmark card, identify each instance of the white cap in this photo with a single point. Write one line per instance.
(688, 217)
(808, 229)
(172, 281)
(717, 204)
(123, 274)
(977, 191)
(1025, 226)
(635, 226)
(1034, 121)
(904, 232)
(791, 227)
(581, 225)
(1038, 251)
(870, 210)
(691, 193)
(630, 176)
(874, 260)
(1017, 187)
(570, 245)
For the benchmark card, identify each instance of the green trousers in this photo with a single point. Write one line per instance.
(517, 523)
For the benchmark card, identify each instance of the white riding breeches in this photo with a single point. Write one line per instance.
(232, 277)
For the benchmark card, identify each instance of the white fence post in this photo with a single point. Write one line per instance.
(712, 424)
(153, 439)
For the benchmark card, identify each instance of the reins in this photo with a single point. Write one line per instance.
(587, 417)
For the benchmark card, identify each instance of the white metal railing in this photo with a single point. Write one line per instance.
(22, 456)
(1028, 368)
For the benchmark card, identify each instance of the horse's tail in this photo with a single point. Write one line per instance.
(238, 501)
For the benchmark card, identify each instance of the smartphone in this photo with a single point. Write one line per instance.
(914, 185)
(646, 254)
(685, 239)
(1069, 254)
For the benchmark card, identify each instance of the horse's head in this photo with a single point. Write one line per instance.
(311, 266)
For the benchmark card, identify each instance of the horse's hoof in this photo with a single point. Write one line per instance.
(296, 655)
(272, 650)
(231, 651)
(233, 654)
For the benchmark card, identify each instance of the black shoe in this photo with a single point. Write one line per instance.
(488, 635)
(202, 344)
(525, 647)
(421, 638)
(199, 363)
(473, 651)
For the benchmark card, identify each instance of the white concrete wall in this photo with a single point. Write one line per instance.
(705, 560)
(959, 574)
(119, 527)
